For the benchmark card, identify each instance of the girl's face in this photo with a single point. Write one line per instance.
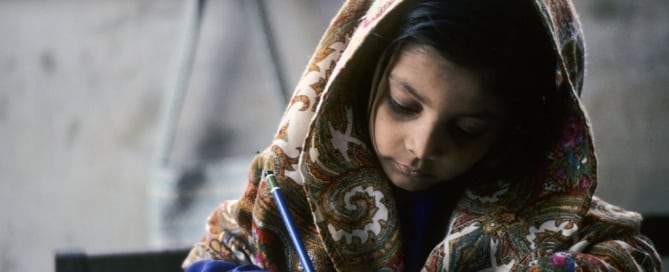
(432, 121)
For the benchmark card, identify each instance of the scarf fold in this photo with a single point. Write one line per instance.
(344, 206)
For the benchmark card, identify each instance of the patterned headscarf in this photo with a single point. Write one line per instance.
(343, 204)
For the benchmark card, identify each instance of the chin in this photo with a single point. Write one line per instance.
(412, 186)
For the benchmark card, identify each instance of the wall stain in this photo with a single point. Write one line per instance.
(144, 116)
(4, 107)
(48, 62)
(9, 65)
(72, 132)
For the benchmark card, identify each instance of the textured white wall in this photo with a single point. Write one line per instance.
(80, 89)
(82, 82)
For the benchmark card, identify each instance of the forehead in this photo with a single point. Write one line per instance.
(440, 84)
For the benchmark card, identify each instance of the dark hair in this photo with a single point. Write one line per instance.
(507, 44)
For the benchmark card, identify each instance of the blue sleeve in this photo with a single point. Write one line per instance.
(221, 266)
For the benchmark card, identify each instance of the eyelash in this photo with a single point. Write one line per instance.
(468, 135)
(398, 108)
(405, 111)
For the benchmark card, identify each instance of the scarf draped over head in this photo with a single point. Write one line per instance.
(343, 204)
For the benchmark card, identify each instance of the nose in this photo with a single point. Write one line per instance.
(424, 141)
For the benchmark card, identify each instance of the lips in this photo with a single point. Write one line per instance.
(410, 171)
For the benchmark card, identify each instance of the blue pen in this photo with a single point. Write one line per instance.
(288, 221)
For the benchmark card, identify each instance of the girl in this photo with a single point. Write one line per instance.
(435, 135)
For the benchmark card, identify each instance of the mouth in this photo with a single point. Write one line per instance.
(411, 171)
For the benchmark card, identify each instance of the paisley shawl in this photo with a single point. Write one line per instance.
(344, 207)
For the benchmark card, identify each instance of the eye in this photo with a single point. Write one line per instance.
(469, 134)
(471, 129)
(401, 109)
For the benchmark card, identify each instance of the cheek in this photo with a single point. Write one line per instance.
(478, 151)
(386, 134)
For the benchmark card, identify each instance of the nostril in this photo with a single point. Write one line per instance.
(424, 140)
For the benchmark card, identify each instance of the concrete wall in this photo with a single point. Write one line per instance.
(82, 85)
(626, 95)
(80, 89)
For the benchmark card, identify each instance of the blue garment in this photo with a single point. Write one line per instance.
(422, 217)
(221, 266)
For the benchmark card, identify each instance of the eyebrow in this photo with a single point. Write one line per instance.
(489, 116)
(409, 89)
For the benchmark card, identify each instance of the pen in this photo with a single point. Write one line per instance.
(288, 221)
